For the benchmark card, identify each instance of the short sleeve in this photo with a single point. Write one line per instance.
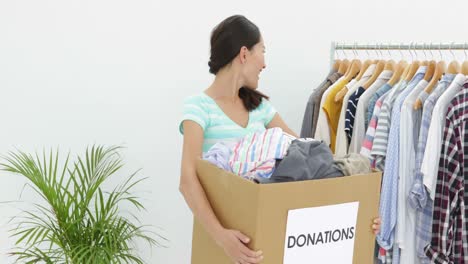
(193, 110)
(268, 111)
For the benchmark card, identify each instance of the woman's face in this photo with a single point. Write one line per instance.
(254, 64)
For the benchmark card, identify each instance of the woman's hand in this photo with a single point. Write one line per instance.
(376, 226)
(233, 242)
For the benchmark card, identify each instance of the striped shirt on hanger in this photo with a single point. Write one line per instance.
(379, 146)
(369, 138)
(370, 110)
(359, 129)
(351, 111)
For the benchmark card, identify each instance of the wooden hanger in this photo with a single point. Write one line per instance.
(353, 70)
(402, 61)
(336, 65)
(400, 71)
(390, 65)
(454, 67)
(378, 70)
(343, 66)
(364, 68)
(464, 68)
(439, 71)
(427, 63)
(431, 67)
(414, 66)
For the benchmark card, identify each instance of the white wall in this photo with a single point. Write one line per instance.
(74, 73)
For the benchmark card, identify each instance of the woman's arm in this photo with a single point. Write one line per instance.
(277, 121)
(232, 241)
(190, 186)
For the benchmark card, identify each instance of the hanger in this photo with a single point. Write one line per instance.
(441, 63)
(431, 67)
(378, 70)
(425, 62)
(402, 59)
(454, 67)
(336, 63)
(432, 64)
(380, 64)
(464, 68)
(400, 71)
(412, 69)
(365, 66)
(439, 71)
(390, 65)
(353, 70)
(343, 66)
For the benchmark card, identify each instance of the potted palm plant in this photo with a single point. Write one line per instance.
(78, 221)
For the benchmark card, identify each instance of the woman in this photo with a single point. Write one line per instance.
(226, 111)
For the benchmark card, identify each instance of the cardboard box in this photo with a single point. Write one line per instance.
(261, 212)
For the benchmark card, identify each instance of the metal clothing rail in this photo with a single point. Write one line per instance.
(335, 46)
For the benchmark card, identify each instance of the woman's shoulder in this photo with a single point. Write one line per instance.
(264, 105)
(200, 99)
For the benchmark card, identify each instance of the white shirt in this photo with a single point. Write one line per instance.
(359, 127)
(410, 122)
(430, 165)
(322, 132)
(341, 145)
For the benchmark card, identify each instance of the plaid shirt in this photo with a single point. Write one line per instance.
(418, 197)
(449, 231)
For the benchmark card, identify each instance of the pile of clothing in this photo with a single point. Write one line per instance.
(273, 156)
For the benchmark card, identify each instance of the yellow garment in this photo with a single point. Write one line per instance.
(332, 110)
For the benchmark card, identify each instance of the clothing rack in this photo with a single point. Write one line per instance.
(335, 46)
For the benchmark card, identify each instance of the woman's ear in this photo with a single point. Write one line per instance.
(243, 54)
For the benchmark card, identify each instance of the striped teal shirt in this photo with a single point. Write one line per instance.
(217, 126)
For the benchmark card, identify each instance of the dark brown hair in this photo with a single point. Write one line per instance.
(227, 38)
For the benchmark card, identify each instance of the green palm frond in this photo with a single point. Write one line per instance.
(80, 223)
